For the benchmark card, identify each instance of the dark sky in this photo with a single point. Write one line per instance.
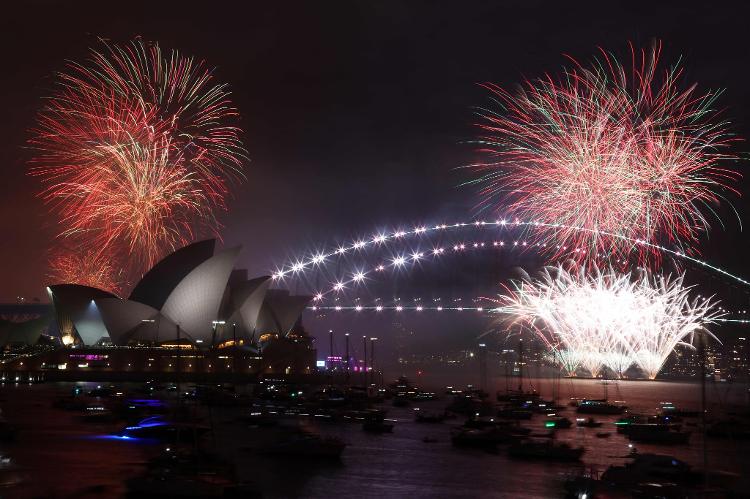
(356, 114)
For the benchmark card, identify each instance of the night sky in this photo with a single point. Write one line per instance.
(356, 114)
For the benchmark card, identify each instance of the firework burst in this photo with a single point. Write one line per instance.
(85, 267)
(608, 318)
(137, 150)
(615, 151)
(568, 360)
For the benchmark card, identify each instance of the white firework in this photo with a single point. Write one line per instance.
(569, 360)
(611, 319)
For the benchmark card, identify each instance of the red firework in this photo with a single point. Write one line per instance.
(606, 156)
(137, 149)
(86, 267)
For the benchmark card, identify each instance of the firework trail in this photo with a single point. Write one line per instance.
(608, 318)
(568, 360)
(86, 267)
(137, 150)
(615, 150)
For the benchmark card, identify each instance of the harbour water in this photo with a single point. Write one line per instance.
(62, 457)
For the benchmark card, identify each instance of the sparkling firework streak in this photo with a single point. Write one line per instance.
(137, 150)
(605, 315)
(613, 150)
(568, 360)
(89, 268)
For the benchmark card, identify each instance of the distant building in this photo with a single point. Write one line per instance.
(24, 323)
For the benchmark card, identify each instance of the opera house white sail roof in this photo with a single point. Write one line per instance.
(189, 289)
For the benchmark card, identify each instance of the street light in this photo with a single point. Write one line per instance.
(364, 357)
(372, 357)
(213, 334)
(346, 337)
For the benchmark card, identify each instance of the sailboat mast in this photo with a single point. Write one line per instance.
(520, 365)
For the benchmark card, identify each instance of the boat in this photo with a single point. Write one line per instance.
(655, 475)
(515, 396)
(515, 413)
(485, 423)
(599, 406)
(624, 423)
(98, 414)
(588, 423)
(259, 418)
(147, 406)
(486, 439)
(474, 435)
(545, 450)
(374, 422)
(656, 468)
(158, 428)
(558, 423)
(652, 429)
(421, 416)
(401, 385)
(480, 423)
(669, 409)
(468, 403)
(403, 391)
(377, 427)
(656, 433)
(102, 392)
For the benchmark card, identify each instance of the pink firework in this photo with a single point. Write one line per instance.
(85, 267)
(607, 155)
(137, 149)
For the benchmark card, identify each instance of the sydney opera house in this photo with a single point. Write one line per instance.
(193, 302)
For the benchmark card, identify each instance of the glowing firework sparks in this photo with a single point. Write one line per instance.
(608, 318)
(137, 149)
(137, 198)
(89, 268)
(618, 362)
(568, 360)
(616, 151)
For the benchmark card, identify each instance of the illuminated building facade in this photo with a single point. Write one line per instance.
(193, 295)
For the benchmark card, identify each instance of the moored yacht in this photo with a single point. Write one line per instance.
(158, 428)
(599, 406)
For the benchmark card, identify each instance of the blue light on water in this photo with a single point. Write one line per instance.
(123, 438)
(113, 437)
(149, 423)
(147, 402)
